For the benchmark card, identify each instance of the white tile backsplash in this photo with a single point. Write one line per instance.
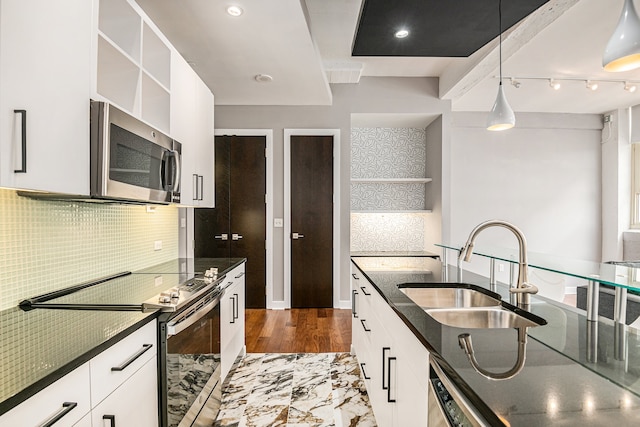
(48, 245)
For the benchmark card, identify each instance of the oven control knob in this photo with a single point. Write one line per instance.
(175, 293)
(164, 299)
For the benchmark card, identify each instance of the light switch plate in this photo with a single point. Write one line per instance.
(278, 222)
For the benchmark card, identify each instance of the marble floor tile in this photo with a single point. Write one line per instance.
(295, 390)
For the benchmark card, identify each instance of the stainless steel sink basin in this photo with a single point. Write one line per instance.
(481, 318)
(440, 297)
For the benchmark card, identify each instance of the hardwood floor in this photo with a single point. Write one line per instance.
(299, 330)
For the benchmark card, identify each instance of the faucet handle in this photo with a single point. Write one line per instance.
(527, 288)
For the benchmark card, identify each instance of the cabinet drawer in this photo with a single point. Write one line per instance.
(69, 397)
(134, 403)
(113, 366)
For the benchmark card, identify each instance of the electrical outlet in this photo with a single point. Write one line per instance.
(157, 281)
(183, 222)
(607, 118)
(157, 245)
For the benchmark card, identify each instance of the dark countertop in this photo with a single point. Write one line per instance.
(558, 385)
(40, 346)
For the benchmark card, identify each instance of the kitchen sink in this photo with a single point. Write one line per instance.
(441, 295)
(483, 318)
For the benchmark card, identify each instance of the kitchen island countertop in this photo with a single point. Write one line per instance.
(567, 379)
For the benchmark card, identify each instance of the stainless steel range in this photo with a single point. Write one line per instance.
(187, 295)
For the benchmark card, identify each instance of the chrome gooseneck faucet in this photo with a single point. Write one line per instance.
(523, 289)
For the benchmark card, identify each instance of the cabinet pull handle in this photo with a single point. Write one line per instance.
(354, 276)
(389, 399)
(364, 374)
(23, 114)
(201, 180)
(132, 359)
(239, 275)
(364, 291)
(111, 418)
(66, 408)
(364, 325)
(384, 363)
(236, 315)
(233, 308)
(353, 303)
(195, 186)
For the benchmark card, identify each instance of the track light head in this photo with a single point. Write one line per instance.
(554, 84)
(515, 83)
(592, 85)
(630, 87)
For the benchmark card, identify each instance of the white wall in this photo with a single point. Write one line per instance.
(544, 176)
(372, 95)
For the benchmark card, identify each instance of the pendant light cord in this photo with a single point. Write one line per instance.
(500, 45)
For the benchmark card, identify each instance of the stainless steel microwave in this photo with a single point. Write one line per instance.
(130, 160)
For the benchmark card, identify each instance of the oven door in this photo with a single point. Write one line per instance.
(190, 372)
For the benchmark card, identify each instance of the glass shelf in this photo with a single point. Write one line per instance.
(609, 274)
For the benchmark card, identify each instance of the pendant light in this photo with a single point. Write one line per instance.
(623, 50)
(501, 116)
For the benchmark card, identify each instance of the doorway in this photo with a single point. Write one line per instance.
(311, 218)
(237, 226)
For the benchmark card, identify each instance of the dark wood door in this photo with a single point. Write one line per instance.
(248, 213)
(311, 221)
(236, 227)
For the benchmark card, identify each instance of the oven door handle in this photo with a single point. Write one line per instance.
(179, 325)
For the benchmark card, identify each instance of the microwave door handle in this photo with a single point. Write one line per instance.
(163, 170)
(177, 170)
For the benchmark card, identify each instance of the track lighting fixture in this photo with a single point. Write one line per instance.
(555, 85)
(623, 50)
(515, 83)
(630, 87)
(501, 116)
(592, 85)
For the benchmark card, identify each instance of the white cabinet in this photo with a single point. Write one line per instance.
(134, 403)
(115, 365)
(393, 362)
(232, 319)
(46, 74)
(192, 125)
(68, 398)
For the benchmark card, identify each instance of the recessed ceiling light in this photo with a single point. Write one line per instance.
(263, 78)
(400, 34)
(235, 10)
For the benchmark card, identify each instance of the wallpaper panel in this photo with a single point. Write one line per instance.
(383, 196)
(387, 231)
(388, 153)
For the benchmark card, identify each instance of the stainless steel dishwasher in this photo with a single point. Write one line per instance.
(447, 405)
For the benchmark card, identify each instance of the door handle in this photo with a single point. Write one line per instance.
(296, 236)
(221, 237)
(236, 236)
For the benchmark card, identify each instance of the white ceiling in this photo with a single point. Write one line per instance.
(295, 40)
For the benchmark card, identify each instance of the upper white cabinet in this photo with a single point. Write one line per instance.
(192, 121)
(45, 82)
(133, 63)
(56, 56)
